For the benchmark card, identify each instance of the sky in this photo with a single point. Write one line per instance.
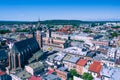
(86, 10)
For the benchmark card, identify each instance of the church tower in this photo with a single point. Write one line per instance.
(49, 36)
(39, 35)
(31, 33)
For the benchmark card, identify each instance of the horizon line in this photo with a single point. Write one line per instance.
(61, 19)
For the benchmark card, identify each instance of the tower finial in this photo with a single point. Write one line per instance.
(39, 25)
(38, 22)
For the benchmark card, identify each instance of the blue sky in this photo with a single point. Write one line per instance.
(31, 10)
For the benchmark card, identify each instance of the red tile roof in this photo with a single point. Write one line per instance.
(2, 73)
(82, 62)
(50, 71)
(95, 67)
(35, 78)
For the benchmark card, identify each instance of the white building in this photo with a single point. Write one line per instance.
(75, 51)
(76, 78)
(109, 73)
(111, 53)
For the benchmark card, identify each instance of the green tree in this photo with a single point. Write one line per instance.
(73, 73)
(22, 30)
(87, 76)
(4, 31)
(114, 34)
(93, 24)
(115, 27)
(87, 31)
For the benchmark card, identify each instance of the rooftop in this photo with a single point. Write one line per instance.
(2, 73)
(110, 72)
(50, 71)
(24, 44)
(35, 78)
(75, 51)
(51, 57)
(23, 75)
(51, 77)
(60, 56)
(62, 68)
(71, 58)
(91, 54)
(82, 62)
(95, 67)
(36, 65)
(32, 59)
(38, 54)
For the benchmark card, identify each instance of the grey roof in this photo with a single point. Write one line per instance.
(38, 54)
(60, 57)
(62, 68)
(91, 54)
(24, 44)
(51, 77)
(109, 59)
(23, 75)
(31, 60)
(98, 36)
(71, 58)
(111, 73)
(104, 47)
(51, 57)
(35, 56)
(36, 65)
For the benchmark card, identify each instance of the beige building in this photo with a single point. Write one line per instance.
(80, 66)
(62, 73)
(70, 61)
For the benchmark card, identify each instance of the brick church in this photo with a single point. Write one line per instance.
(23, 50)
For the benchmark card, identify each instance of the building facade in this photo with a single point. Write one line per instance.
(21, 52)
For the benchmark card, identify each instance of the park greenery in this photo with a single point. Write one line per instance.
(87, 31)
(114, 34)
(87, 76)
(18, 30)
(22, 30)
(115, 27)
(4, 31)
(72, 74)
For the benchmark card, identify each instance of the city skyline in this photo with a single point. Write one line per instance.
(86, 10)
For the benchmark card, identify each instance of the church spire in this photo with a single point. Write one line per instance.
(39, 25)
(39, 35)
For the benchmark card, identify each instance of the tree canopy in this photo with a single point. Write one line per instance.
(114, 34)
(4, 31)
(73, 73)
(87, 76)
(115, 27)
